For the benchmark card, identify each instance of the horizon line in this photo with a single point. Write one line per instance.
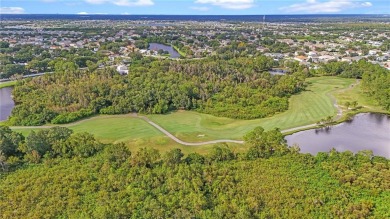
(124, 14)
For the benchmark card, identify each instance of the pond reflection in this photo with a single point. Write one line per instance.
(6, 103)
(367, 131)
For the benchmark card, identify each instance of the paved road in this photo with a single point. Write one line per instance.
(26, 76)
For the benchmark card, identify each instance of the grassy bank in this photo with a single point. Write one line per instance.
(7, 84)
(179, 51)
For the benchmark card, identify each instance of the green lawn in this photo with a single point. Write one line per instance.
(133, 131)
(118, 128)
(305, 108)
(355, 94)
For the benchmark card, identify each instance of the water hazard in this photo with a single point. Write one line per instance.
(6, 103)
(170, 49)
(367, 131)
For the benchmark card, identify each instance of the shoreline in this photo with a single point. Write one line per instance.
(285, 132)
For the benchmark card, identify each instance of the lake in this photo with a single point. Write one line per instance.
(275, 71)
(367, 131)
(170, 49)
(6, 103)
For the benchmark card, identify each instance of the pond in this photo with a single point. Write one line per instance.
(367, 131)
(170, 49)
(6, 103)
(279, 71)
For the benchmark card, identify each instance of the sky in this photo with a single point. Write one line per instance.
(195, 7)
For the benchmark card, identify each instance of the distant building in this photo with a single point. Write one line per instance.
(351, 59)
(326, 58)
(275, 56)
(387, 65)
(122, 69)
(301, 58)
(372, 52)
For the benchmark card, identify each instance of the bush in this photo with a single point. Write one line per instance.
(71, 117)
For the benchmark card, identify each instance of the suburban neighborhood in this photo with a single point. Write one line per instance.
(310, 44)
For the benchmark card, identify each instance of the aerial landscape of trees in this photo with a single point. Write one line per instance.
(83, 178)
(239, 88)
(227, 72)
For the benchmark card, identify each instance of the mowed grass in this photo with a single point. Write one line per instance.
(118, 128)
(356, 94)
(135, 132)
(132, 131)
(305, 108)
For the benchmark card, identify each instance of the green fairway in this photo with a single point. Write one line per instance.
(356, 94)
(118, 128)
(135, 132)
(305, 108)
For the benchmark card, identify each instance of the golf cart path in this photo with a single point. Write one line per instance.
(187, 143)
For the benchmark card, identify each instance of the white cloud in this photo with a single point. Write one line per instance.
(86, 13)
(11, 10)
(123, 2)
(330, 6)
(200, 8)
(366, 4)
(229, 4)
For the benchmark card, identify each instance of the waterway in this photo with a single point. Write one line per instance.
(6, 103)
(367, 131)
(170, 49)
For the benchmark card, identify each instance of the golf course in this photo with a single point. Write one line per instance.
(318, 101)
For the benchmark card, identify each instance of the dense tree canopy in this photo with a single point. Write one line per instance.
(9, 141)
(353, 70)
(47, 143)
(113, 182)
(237, 88)
(376, 84)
